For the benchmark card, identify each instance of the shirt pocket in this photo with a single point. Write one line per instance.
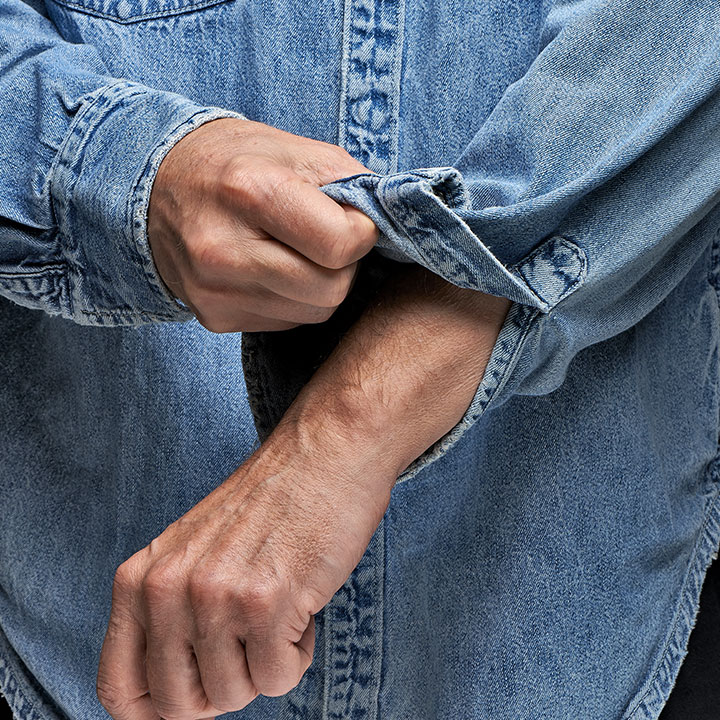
(130, 11)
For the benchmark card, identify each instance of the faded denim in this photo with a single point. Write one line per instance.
(544, 559)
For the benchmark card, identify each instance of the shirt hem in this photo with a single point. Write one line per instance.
(649, 702)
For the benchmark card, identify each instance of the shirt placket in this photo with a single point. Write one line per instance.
(368, 130)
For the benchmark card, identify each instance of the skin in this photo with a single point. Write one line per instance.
(241, 234)
(219, 608)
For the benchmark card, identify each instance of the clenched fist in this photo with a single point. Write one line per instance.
(240, 232)
(219, 607)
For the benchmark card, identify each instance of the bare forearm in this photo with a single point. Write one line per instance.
(405, 373)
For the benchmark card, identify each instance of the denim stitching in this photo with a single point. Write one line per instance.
(169, 12)
(520, 321)
(549, 246)
(373, 54)
(139, 199)
(21, 687)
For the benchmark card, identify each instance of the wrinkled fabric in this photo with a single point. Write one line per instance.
(545, 557)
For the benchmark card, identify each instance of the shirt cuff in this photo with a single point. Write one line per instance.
(100, 185)
(418, 214)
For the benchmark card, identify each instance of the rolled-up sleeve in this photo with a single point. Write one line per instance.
(579, 196)
(79, 154)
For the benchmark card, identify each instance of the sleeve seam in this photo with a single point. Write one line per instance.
(80, 130)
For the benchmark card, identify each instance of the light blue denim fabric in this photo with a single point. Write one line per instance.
(544, 559)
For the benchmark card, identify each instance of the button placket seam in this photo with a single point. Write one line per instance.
(371, 68)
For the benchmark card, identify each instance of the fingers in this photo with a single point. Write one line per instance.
(278, 664)
(282, 270)
(172, 671)
(226, 310)
(224, 670)
(121, 682)
(311, 284)
(304, 218)
(286, 289)
(253, 183)
(240, 273)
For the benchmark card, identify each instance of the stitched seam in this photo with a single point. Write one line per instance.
(79, 128)
(542, 300)
(32, 274)
(528, 323)
(64, 161)
(33, 711)
(389, 205)
(168, 12)
(714, 269)
(396, 90)
(138, 202)
(86, 120)
(525, 323)
(126, 313)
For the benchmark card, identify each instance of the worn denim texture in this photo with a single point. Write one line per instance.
(544, 559)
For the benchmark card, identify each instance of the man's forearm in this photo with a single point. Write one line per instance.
(406, 371)
(267, 549)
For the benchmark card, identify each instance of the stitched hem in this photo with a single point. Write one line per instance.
(649, 702)
(22, 692)
(128, 19)
(139, 202)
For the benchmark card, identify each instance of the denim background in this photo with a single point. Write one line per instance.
(544, 559)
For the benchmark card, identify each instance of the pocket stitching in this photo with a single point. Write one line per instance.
(186, 7)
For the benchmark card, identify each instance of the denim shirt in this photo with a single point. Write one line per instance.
(544, 558)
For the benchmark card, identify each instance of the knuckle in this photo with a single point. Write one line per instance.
(240, 184)
(328, 162)
(339, 252)
(275, 682)
(252, 189)
(206, 254)
(170, 709)
(341, 152)
(256, 598)
(367, 230)
(222, 700)
(124, 582)
(345, 162)
(207, 588)
(364, 231)
(158, 583)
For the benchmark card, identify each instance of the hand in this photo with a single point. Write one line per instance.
(241, 234)
(219, 607)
